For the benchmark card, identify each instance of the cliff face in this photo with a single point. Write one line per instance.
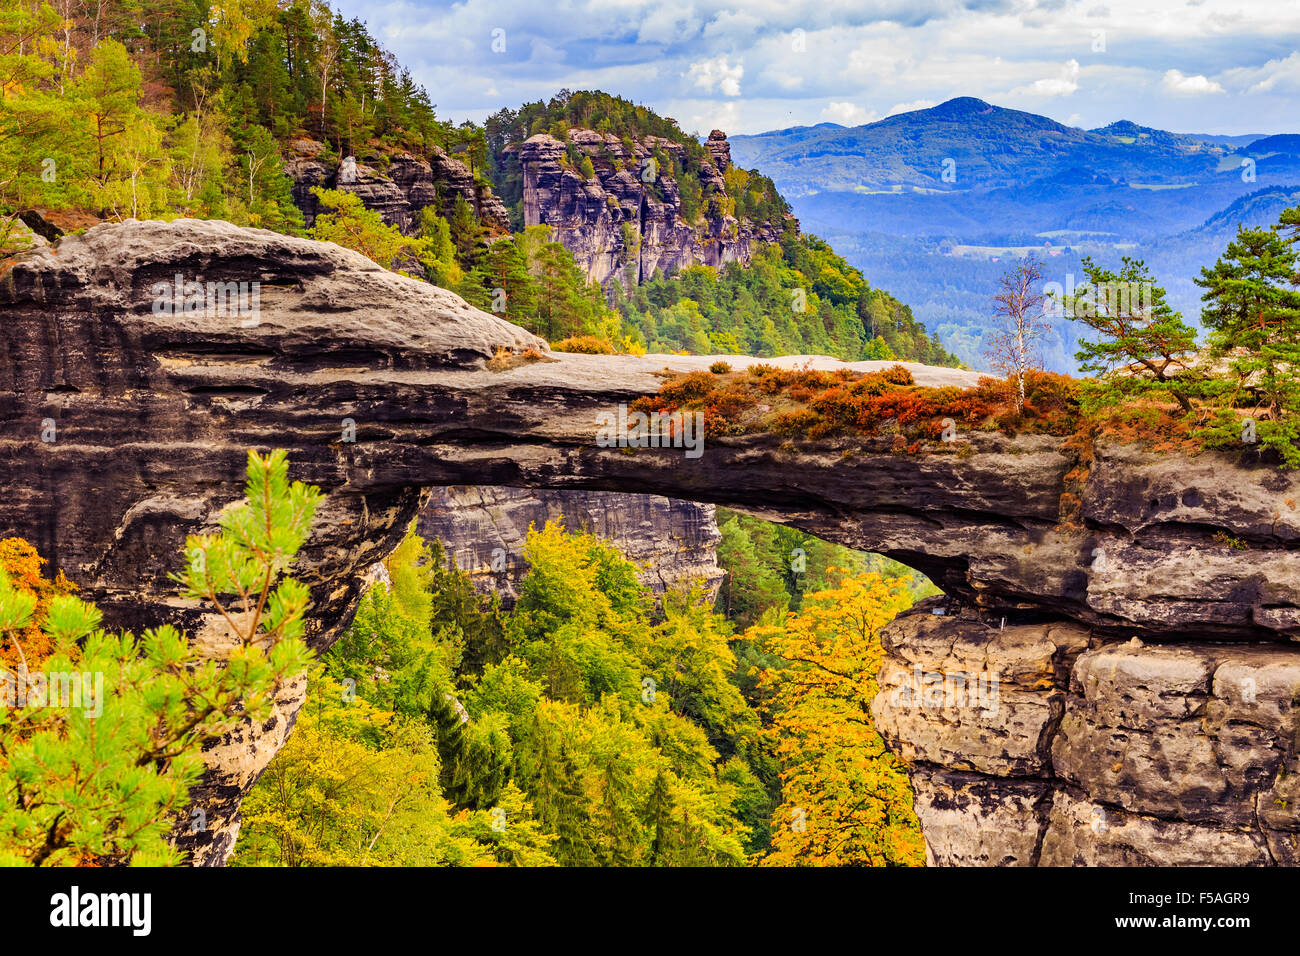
(406, 186)
(1180, 748)
(484, 531)
(628, 220)
(1042, 744)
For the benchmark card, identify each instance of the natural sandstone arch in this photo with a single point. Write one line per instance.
(154, 414)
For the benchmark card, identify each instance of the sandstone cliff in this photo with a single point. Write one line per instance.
(395, 186)
(1178, 749)
(484, 531)
(628, 220)
(1040, 744)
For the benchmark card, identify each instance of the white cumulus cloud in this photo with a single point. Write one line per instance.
(717, 73)
(847, 114)
(910, 107)
(1063, 84)
(1275, 76)
(1176, 81)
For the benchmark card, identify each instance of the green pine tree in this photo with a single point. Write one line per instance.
(1253, 312)
(1144, 343)
(105, 775)
(751, 586)
(659, 818)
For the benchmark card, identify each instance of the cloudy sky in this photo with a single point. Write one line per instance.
(1208, 66)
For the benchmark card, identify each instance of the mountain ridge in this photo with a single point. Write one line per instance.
(931, 203)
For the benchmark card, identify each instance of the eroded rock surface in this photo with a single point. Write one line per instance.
(484, 531)
(150, 415)
(395, 186)
(1088, 752)
(628, 221)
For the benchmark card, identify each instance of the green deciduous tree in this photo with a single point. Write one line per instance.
(345, 220)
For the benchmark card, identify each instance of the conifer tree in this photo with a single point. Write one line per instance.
(751, 586)
(1289, 223)
(1253, 313)
(475, 766)
(466, 233)
(555, 787)
(105, 773)
(1144, 343)
(659, 817)
(616, 823)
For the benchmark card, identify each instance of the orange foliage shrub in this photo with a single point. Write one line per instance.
(690, 387)
(885, 404)
(897, 375)
(22, 564)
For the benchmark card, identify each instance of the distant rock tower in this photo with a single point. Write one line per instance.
(719, 149)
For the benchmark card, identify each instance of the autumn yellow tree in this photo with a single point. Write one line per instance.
(845, 799)
(21, 565)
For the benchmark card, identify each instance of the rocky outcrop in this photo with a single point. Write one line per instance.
(126, 427)
(628, 221)
(1043, 744)
(719, 149)
(396, 186)
(484, 531)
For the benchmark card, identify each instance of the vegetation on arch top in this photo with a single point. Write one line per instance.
(1152, 381)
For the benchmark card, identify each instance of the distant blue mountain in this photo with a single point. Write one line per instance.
(932, 203)
(1288, 143)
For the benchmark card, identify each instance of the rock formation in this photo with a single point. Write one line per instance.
(398, 192)
(628, 220)
(1040, 744)
(1179, 748)
(484, 531)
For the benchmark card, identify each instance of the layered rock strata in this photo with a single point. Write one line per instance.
(628, 220)
(397, 187)
(1043, 744)
(484, 531)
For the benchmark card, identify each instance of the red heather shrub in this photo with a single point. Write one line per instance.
(840, 401)
(968, 406)
(768, 378)
(773, 380)
(870, 384)
(1051, 389)
(838, 407)
(932, 429)
(648, 404)
(725, 408)
(905, 406)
